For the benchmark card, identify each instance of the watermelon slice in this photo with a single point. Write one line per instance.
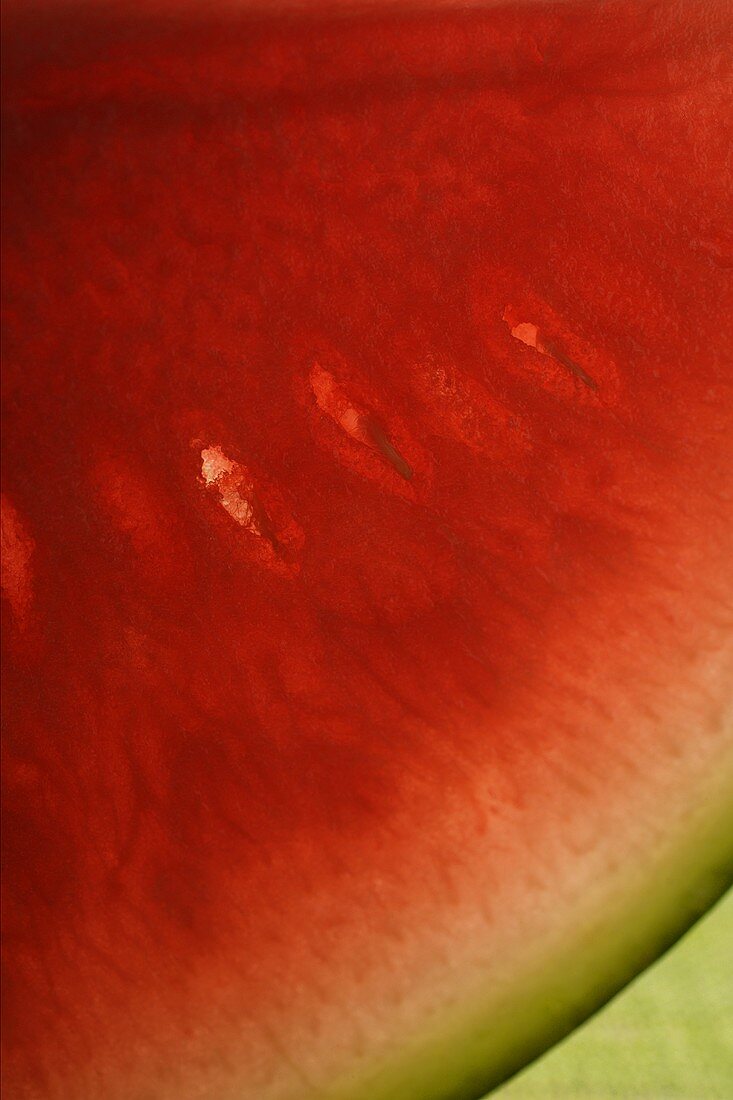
(367, 503)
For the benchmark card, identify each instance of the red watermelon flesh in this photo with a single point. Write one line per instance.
(367, 536)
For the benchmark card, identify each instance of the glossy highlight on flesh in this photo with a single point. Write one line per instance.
(366, 530)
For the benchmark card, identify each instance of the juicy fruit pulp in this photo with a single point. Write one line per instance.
(367, 537)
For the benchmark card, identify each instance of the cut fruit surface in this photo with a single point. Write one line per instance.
(367, 535)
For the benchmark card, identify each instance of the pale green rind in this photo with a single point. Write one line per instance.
(640, 913)
(667, 1036)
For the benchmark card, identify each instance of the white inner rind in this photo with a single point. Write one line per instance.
(622, 923)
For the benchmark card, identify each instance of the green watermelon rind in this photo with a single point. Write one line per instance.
(632, 921)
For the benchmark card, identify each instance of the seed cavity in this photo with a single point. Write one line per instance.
(359, 423)
(528, 333)
(236, 492)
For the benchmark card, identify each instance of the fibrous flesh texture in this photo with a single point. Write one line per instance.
(366, 535)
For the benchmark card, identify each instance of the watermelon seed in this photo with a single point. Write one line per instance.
(363, 426)
(383, 444)
(528, 333)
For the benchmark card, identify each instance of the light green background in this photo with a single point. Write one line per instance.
(668, 1036)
